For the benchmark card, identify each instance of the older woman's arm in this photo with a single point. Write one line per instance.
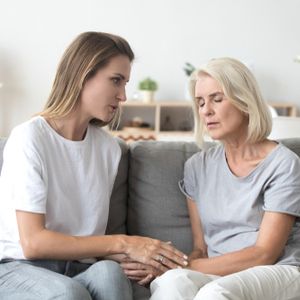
(199, 246)
(273, 234)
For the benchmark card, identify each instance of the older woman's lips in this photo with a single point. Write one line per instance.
(212, 125)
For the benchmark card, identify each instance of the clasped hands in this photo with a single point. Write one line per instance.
(151, 259)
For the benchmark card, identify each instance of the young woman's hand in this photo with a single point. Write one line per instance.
(160, 255)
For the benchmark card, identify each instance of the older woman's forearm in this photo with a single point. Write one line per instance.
(233, 262)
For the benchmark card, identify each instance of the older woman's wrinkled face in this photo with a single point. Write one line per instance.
(222, 119)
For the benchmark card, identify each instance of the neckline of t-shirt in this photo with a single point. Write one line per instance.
(61, 138)
(256, 169)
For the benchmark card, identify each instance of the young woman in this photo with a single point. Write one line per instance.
(243, 197)
(56, 181)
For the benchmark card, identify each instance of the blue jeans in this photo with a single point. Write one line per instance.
(68, 280)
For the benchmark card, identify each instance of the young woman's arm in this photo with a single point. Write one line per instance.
(273, 234)
(40, 243)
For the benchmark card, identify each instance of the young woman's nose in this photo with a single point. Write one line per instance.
(122, 95)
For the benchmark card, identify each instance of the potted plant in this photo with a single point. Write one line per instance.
(188, 70)
(148, 86)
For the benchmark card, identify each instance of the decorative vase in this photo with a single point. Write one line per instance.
(147, 96)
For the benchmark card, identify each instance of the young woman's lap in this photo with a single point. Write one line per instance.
(50, 279)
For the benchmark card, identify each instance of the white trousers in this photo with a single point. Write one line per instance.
(275, 282)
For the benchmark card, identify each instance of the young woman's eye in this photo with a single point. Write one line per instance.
(116, 80)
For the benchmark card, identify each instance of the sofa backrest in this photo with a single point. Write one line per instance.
(156, 207)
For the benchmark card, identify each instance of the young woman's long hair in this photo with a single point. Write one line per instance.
(88, 53)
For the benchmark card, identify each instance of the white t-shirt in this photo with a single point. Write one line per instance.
(68, 181)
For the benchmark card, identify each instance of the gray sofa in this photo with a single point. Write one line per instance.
(146, 199)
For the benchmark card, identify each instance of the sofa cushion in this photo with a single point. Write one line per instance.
(118, 201)
(2, 143)
(156, 207)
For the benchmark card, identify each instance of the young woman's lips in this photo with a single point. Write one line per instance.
(114, 107)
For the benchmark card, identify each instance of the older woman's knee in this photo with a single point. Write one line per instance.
(166, 280)
(214, 291)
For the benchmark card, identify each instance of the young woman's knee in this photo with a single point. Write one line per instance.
(69, 289)
(106, 280)
(109, 270)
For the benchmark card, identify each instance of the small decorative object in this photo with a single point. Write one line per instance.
(136, 122)
(147, 87)
(188, 69)
(185, 126)
(167, 125)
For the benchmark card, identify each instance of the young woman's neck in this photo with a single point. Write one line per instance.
(69, 127)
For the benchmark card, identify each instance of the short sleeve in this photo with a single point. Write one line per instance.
(283, 191)
(22, 175)
(187, 185)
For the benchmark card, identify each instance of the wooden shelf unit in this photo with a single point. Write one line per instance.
(285, 108)
(179, 114)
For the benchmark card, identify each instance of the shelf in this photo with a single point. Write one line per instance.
(284, 108)
(164, 120)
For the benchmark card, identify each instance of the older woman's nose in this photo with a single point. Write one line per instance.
(207, 109)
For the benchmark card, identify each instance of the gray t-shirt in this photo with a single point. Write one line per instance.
(231, 208)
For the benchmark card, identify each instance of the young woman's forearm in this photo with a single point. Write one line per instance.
(53, 245)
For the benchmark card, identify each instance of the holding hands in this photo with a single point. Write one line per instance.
(148, 258)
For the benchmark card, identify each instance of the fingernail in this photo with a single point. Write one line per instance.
(179, 267)
(185, 263)
(185, 257)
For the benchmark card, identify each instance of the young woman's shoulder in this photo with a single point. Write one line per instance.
(28, 132)
(103, 137)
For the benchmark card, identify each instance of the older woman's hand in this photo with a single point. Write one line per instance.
(158, 254)
(139, 272)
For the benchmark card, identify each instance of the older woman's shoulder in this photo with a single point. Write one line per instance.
(284, 154)
(212, 153)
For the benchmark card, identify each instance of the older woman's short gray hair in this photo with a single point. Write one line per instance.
(240, 87)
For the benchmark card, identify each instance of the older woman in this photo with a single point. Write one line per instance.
(243, 197)
(58, 173)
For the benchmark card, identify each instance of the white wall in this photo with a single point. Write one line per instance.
(164, 35)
